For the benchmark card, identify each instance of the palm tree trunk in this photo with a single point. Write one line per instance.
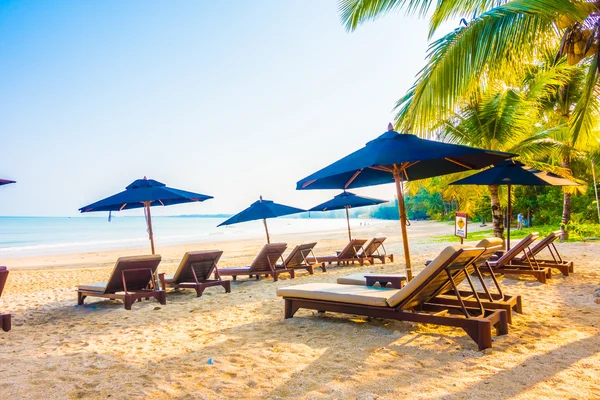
(566, 215)
(497, 218)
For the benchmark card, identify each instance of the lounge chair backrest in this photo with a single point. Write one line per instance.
(458, 276)
(354, 247)
(268, 257)
(490, 242)
(201, 263)
(3, 277)
(137, 270)
(542, 244)
(434, 278)
(297, 257)
(373, 247)
(518, 248)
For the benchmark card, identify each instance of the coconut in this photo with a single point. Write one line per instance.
(579, 47)
(592, 50)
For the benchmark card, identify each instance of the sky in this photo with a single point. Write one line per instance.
(233, 99)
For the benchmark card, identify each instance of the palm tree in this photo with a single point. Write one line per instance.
(501, 39)
(502, 118)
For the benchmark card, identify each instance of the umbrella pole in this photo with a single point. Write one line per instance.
(508, 222)
(266, 230)
(348, 220)
(149, 222)
(403, 222)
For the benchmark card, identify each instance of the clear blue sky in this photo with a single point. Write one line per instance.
(228, 98)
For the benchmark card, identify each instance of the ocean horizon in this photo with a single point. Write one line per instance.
(38, 236)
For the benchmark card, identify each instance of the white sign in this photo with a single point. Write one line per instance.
(460, 225)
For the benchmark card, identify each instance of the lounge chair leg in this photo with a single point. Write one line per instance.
(502, 325)
(290, 309)
(80, 298)
(519, 306)
(391, 258)
(234, 277)
(323, 268)
(227, 286)
(481, 333)
(162, 297)
(199, 290)
(311, 269)
(127, 301)
(275, 276)
(292, 273)
(5, 322)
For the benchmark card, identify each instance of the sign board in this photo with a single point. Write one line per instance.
(460, 225)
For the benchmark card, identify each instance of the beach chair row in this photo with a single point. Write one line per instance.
(136, 278)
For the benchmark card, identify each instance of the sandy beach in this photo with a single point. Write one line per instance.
(239, 346)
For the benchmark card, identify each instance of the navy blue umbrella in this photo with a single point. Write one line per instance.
(511, 172)
(262, 209)
(5, 182)
(394, 157)
(145, 193)
(346, 200)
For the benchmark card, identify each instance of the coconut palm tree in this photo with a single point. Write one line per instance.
(503, 118)
(499, 41)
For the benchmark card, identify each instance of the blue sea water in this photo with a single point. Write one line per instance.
(31, 236)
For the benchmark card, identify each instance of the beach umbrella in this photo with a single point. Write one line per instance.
(5, 182)
(145, 193)
(512, 172)
(262, 209)
(347, 200)
(394, 157)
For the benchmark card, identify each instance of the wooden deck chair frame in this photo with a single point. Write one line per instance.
(191, 261)
(375, 253)
(489, 300)
(134, 276)
(5, 319)
(506, 265)
(306, 252)
(557, 262)
(477, 321)
(272, 258)
(351, 253)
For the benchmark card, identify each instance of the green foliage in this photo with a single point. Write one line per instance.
(577, 233)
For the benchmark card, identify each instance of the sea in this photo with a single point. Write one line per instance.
(37, 236)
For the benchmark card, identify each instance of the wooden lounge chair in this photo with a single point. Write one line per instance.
(265, 263)
(557, 262)
(353, 252)
(506, 264)
(297, 259)
(415, 302)
(371, 250)
(5, 319)
(194, 272)
(132, 278)
(489, 299)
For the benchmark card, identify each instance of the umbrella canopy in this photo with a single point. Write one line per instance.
(394, 157)
(145, 193)
(5, 182)
(512, 172)
(262, 209)
(346, 200)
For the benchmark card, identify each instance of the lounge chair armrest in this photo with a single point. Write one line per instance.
(396, 281)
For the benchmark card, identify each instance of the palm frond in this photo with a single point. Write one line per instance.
(497, 42)
(355, 12)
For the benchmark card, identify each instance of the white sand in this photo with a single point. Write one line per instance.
(57, 350)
